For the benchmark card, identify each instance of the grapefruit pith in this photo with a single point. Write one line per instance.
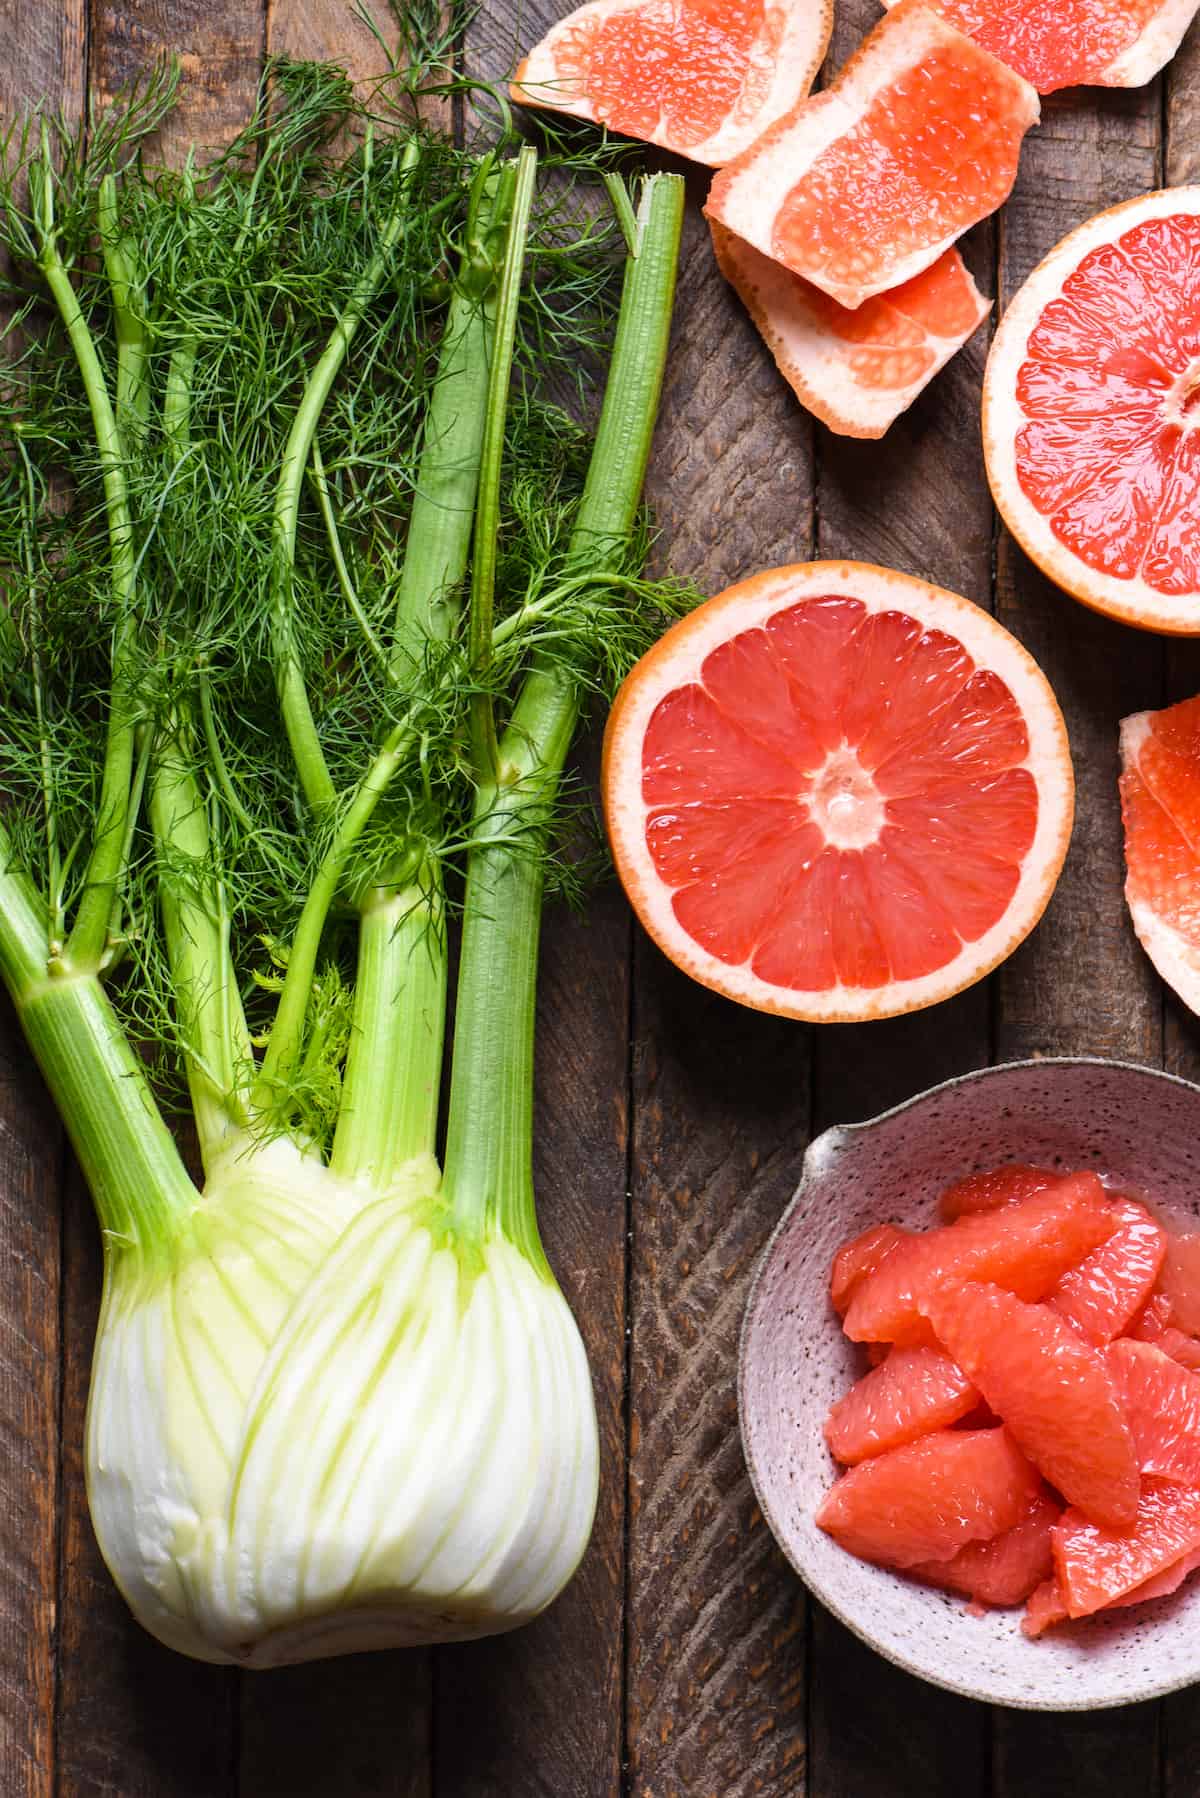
(855, 371)
(865, 184)
(1091, 409)
(835, 792)
(702, 77)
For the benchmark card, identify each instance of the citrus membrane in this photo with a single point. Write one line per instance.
(1091, 413)
(702, 77)
(863, 185)
(836, 792)
(856, 371)
(1074, 43)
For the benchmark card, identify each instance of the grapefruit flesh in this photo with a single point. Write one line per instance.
(856, 371)
(1055, 1393)
(1160, 791)
(1162, 1404)
(993, 1189)
(1025, 1248)
(835, 793)
(702, 77)
(1097, 1565)
(914, 1391)
(927, 1500)
(1045, 1608)
(1181, 1348)
(858, 1258)
(1075, 43)
(1161, 1586)
(1153, 1318)
(864, 185)
(1005, 1570)
(1180, 1282)
(1091, 415)
(1109, 1287)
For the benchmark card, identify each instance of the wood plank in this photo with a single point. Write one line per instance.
(44, 61)
(1080, 983)
(134, 1719)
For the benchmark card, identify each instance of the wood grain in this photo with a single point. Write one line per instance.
(219, 44)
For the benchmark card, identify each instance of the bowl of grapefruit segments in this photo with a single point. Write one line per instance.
(1018, 1521)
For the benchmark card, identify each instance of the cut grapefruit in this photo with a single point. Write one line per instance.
(1160, 806)
(1005, 1570)
(1025, 1248)
(862, 186)
(1096, 1565)
(1059, 1401)
(1162, 1403)
(926, 1501)
(858, 1258)
(1109, 1288)
(1152, 1320)
(835, 792)
(1091, 409)
(702, 77)
(1046, 1606)
(1180, 1282)
(992, 1190)
(914, 1391)
(856, 371)
(1075, 43)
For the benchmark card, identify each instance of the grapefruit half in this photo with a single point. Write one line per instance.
(856, 371)
(836, 792)
(1091, 413)
(1160, 805)
(701, 77)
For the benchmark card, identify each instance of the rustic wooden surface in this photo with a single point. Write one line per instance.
(684, 1659)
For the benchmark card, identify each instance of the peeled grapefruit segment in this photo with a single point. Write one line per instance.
(1005, 1570)
(856, 371)
(702, 77)
(1162, 1403)
(914, 1391)
(1152, 1319)
(1161, 1586)
(858, 1258)
(1181, 1348)
(926, 1501)
(835, 792)
(863, 185)
(1055, 1393)
(1090, 413)
(1180, 1282)
(1026, 1249)
(1075, 43)
(993, 1189)
(1097, 1565)
(1108, 1288)
(1045, 1608)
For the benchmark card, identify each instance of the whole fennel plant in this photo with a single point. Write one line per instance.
(307, 582)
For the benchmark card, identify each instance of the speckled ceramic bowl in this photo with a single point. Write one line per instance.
(1140, 1126)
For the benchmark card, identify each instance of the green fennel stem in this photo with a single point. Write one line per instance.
(489, 1148)
(129, 317)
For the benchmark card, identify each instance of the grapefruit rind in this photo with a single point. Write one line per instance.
(676, 660)
(749, 193)
(790, 67)
(827, 369)
(1131, 601)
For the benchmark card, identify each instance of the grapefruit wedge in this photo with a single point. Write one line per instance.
(1160, 805)
(864, 185)
(855, 371)
(1075, 43)
(702, 77)
(835, 792)
(1091, 409)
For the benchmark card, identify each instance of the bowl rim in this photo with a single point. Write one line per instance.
(818, 1147)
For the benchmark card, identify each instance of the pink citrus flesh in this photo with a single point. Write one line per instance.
(914, 1391)
(1005, 1570)
(993, 1189)
(1107, 1290)
(1097, 1565)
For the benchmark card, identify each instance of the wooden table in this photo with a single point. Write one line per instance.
(685, 1657)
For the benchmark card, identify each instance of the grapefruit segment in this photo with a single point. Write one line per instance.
(1005, 1570)
(1025, 1248)
(836, 793)
(1162, 1403)
(858, 1258)
(1109, 1287)
(856, 371)
(1161, 1586)
(1181, 1348)
(1090, 424)
(1055, 1393)
(1075, 43)
(1097, 1565)
(861, 187)
(1152, 1319)
(1046, 1606)
(927, 1500)
(702, 77)
(1180, 1282)
(914, 1391)
(993, 1189)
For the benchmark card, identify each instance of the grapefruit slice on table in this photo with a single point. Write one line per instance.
(1075, 43)
(1160, 805)
(702, 77)
(1091, 413)
(856, 371)
(866, 184)
(835, 792)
